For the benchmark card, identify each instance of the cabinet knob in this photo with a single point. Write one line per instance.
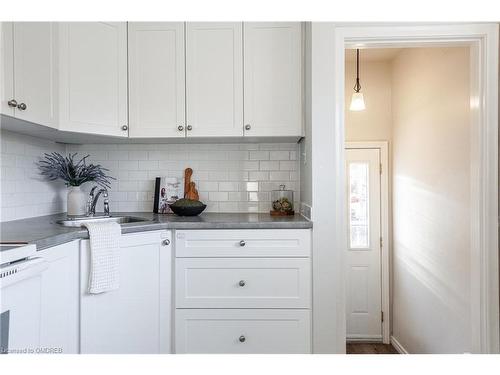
(124, 127)
(166, 242)
(242, 338)
(12, 103)
(242, 283)
(248, 127)
(180, 128)
(189, 127)
(242, 243)
(22, 106)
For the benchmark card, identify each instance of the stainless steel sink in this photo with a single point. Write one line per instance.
(80, 221)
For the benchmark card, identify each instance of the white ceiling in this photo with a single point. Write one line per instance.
(372, 54)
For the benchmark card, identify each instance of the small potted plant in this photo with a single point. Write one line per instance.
(55, 166)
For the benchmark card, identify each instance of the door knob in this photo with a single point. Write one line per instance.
(166, 242)
(180, 128)
(124, 127)
(12, 103)
(189, 127)
(248, 127)
(22, 106)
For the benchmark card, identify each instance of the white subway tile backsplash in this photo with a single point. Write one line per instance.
(208, 186)
(279, 155)
(129, 165)
(217, 196)
(229, 186)
(148, 165)
(270, 165)
(288, 165)
(250, 186)
(229, 177)
(259, 155)
(24, 193)
(258, 175)
(279, 176)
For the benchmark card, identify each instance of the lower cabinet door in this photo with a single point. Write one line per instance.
(135, 318)
(245, 331)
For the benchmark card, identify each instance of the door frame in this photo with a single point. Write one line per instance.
(385, 259)
(483, 42)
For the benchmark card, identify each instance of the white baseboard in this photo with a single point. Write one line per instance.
(397, 345)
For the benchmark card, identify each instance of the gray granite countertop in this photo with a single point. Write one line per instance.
(44, 231)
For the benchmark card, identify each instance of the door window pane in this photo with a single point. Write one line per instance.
(358, 205)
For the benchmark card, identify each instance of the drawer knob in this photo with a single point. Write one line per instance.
(166, 242)
(242, 243)
(242, 338)
(242, 283)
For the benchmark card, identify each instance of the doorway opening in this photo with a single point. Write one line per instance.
(408, 198)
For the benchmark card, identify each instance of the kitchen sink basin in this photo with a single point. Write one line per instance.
(80, 221)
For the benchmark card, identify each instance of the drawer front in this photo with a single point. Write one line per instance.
(243, 243)
(243, 283)
(243, 331)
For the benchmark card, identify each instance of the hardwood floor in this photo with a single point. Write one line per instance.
(369, 348)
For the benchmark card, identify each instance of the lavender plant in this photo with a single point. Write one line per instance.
(55, 166)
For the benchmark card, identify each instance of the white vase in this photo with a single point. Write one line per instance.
(77, 201)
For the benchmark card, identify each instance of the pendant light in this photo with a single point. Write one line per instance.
(357, 100)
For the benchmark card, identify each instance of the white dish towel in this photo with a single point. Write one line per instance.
(104, 272)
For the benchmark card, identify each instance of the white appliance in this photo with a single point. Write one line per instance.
(20, 293)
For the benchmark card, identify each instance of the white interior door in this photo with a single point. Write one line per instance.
(364, 293)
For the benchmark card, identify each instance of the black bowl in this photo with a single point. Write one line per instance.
(188, 210)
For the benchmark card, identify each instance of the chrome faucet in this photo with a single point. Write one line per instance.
(92, 201)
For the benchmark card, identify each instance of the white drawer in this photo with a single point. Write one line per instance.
(243, 331)
(243, 283)
(243, 243)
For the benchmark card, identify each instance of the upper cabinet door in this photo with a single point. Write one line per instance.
(6, 68)
(214, 75)
(35, 72)
(93, 93)
(156, 79)
(273, 79)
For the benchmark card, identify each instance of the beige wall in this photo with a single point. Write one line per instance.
(431, 203)
(419, 102)
(374, 123)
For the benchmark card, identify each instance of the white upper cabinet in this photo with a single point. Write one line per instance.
(6, 68)
(273, 79)
(156, 79)
(93, 77)
(214, 75)
(29, 82)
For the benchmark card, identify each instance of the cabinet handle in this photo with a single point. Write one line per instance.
(180, 128)
(124, 127)
(189, 127)
(166, 242)
(248, 127)
(22, 106)
(242, 243)
(242, 283)
(242, 338)
(12, 103)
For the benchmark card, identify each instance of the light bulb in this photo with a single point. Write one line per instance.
(357, 102)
